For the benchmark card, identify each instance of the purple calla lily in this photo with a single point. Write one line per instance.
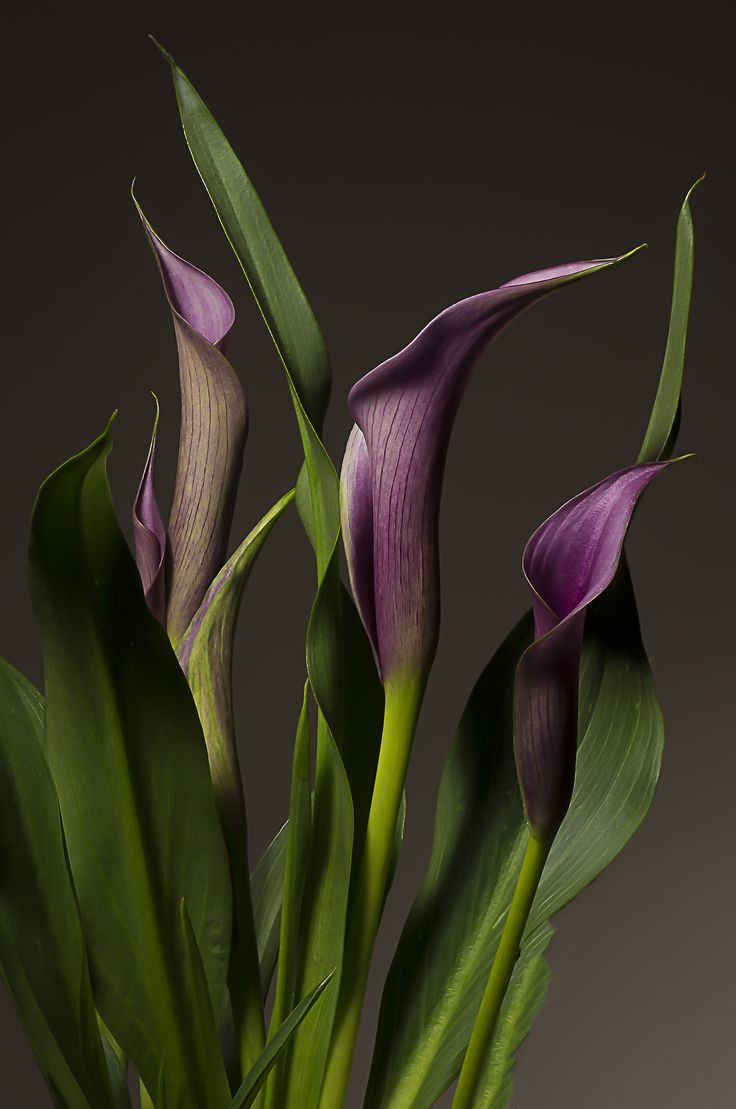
(211, 444)
(568, 562)
(392, 472)
(149, 532)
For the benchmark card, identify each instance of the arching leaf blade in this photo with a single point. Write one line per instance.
(115, 688)
(447, 948)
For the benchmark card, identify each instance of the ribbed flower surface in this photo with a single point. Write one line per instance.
(404, 411)
(211, 443)
(568, 562)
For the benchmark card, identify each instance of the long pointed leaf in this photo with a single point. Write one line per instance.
(254, 1080)
(663, 421)
(274, 284)
(210, 1062)
(343, 725)
(206, 654)
(297, 861)
(128, 759)
(42, 947)
(267, 888)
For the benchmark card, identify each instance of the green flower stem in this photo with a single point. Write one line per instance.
(403, 700)
(476, 1056)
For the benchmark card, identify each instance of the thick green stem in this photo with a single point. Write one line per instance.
(476, 1056)
(402, 709)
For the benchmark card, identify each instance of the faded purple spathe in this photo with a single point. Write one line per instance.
(212, 437)
(568, 562)
(392, 473)
(149, 533)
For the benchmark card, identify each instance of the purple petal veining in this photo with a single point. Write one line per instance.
(150, 535)
(212, 437)
(392, 473)
(568, 562)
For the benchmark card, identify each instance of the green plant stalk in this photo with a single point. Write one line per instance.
(474, 1064)
(403, 701)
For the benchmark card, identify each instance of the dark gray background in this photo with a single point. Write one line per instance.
(409, 159)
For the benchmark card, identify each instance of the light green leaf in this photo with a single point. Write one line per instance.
(444, 957)
(665, 417)
(253, 1081)
(206, 653)
(128, 759)
(42, 950)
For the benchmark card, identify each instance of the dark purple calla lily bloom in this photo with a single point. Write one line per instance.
(392, 472)
(211, 444)
(568, 562)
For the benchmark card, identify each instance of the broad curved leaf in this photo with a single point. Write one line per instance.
(128, 759)
(445, 953)
(42, 949)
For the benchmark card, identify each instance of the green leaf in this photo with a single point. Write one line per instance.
(274, 284)
(526, 994)
(663, 422)
(206, 653)
(297, 862)
(42, 948)
(445, 953)
(267, 888)
(117, 1065)
(340, 668)
(210, 1062)
(129, 762)
(254, 1080)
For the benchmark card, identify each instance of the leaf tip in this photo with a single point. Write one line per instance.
(631, 253)
(693, 187)
(163, 51)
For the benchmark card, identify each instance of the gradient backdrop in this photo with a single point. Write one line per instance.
(408, 160)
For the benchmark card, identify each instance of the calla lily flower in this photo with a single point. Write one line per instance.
(568, 562)
(149, 532)
(211, 444)
(392, 472)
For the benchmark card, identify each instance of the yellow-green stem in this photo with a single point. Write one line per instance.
(476, 1057)
(403, 701)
